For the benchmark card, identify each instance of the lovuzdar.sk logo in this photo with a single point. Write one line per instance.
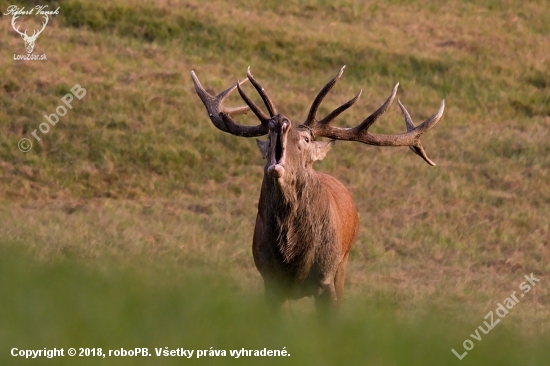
(30, 40)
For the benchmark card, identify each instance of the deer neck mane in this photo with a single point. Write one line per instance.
(297, 215)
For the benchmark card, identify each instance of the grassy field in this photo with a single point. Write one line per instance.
(129, 224)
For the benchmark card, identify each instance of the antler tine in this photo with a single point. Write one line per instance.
(257, 111)
(267, 101)
(335, 113)
(311, 117)
(221, 116)
(425, 126)
(206, 97)
(380, 111)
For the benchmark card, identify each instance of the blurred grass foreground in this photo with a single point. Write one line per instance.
(164, 308)
(128, 225)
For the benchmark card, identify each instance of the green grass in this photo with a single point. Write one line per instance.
(132, 218)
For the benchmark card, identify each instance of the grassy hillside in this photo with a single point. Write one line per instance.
(119, 223)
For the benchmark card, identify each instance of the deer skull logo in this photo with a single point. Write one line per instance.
(29, 40)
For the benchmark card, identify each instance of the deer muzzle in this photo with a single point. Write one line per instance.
(278, 131)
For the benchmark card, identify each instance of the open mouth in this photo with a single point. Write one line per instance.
(278, 131)
(278, 149)
(276, 168)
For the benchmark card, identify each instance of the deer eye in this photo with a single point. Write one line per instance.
(306, 139)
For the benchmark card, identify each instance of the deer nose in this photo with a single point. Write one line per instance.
(279, 124)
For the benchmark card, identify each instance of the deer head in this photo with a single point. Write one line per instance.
(29, 40)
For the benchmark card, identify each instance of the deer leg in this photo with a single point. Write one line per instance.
(340, 278)
(274, 295)
(326, 297)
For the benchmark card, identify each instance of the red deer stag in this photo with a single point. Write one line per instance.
(306, 222)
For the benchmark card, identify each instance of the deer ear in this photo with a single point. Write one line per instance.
(264, 147)
(322, 148)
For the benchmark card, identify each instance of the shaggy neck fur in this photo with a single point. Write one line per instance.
(298, 218)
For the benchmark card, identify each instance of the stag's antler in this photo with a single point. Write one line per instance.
(360, 133)
(221, 116)
(267, 101)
